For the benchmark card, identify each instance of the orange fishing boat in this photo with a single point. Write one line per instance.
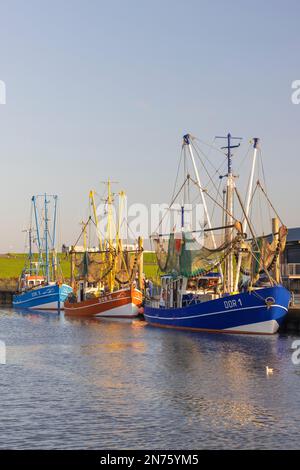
(107, 281)
(123, 303)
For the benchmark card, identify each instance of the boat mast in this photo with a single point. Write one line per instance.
(109, 235)
(187, 141)
(30, 251)
(84, 226)
(54, 258)
(185, 192)
(54, 222)
(46, 239)
(228, 284)
(122, 258)
(96, 220)
(121, 220)
(33, 199)
(40, 260)
(247, 208)
(29, 231)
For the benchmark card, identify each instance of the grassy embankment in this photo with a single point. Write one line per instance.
(11, 265)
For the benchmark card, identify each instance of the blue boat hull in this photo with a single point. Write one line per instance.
(49, 297)
(260, 312)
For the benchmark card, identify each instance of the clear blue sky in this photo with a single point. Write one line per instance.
(107, 88)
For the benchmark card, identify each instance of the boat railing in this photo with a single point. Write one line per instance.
(292, 269)
(295, 299)
(154, 303)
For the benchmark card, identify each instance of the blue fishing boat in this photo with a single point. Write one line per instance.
(226, 281)
(260, 311)
(48, 297)
(41, 284)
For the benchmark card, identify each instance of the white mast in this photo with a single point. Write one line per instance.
(247, 208)
(228, 285)
(228, 231)
(187, 141)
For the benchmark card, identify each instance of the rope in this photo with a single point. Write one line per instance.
(267, 197)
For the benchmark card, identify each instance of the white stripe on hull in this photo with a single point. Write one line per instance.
(128, 310)
(110, 301)
(266, 327)
(48, 306)
(200, 315)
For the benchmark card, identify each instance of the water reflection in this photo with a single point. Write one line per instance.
(95, 383)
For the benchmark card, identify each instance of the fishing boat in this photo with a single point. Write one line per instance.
(106, 278)
(41, 284)
(226, 280)
(121, 303)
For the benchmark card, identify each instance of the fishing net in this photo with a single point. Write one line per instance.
(127, 267)
(183, 254)
(94, 266)
(260, 254)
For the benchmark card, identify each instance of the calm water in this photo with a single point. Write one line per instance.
(119, 384)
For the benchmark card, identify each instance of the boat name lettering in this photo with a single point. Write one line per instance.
(43, 292)
(111, 297)
(232, 303)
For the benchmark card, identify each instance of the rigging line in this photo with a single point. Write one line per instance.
(173, 200)
(199, 151)
(178, 169)
(202, 163)
(246, 217)
(221, 206)
(83, 229)
(252, 232)
(267, 197)
(210, 150)
(261, 214)
(246, 155)
(27, 232)
(210, 145)
(217, 171)
(264, 176)
(201, 230)
(208, 186)
(204, 155)
(248, 183)
(260, 205)
(262, 237)
(110, 245)
(262, 168)
(102, 195)
(214, 206)
(99, 234)
(90, 230)
(125, 221)
(252, 197)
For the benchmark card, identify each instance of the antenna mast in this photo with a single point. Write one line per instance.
(46, 239)
(228, 281)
